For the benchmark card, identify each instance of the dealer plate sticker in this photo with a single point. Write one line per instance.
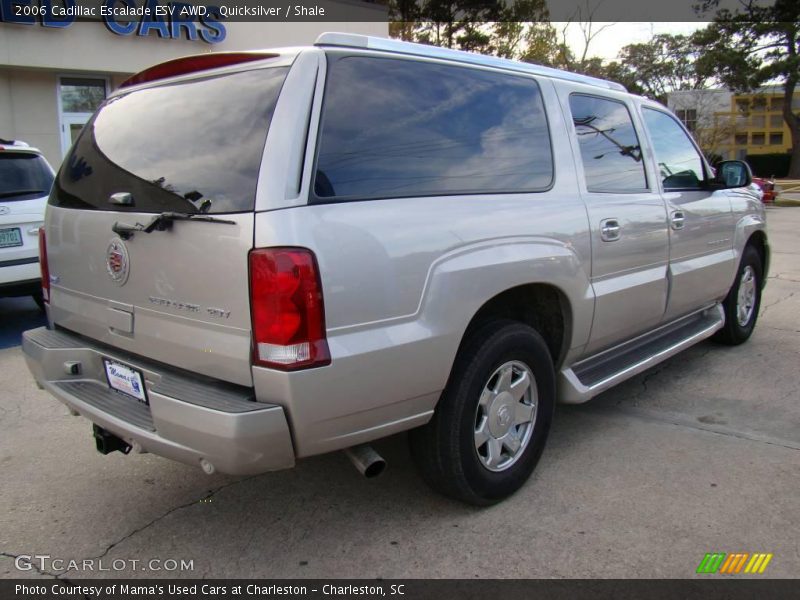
(125, 379)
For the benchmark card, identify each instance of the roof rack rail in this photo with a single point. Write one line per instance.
(353, 40)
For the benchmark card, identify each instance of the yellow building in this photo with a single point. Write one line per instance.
(754, 123)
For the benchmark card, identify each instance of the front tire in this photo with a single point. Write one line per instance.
(492, 421)
(743, 301)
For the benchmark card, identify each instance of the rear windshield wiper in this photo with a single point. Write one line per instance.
(163, 222)
(21, 193)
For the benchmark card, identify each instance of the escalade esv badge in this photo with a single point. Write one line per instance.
(117, 261)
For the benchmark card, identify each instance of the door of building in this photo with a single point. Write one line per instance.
(78, 98)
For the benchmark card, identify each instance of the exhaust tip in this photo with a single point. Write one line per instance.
(375, 469)
(368, 462)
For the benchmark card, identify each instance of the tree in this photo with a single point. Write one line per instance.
(581, 62)
(661, 65)
(448, 23)
(515, 29)
(753, 46)
(519, 30)
(524, 33)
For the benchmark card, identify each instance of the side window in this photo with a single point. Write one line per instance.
(679, 163)
(612, 158)
(395, 128)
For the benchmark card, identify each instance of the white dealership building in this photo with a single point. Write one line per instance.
(53, 75)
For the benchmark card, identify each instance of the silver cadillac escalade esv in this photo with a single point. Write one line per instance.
(251, 258)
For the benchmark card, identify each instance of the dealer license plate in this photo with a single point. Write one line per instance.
(125, 379)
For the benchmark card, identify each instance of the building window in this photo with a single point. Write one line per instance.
(776, 104)
(688, 117)
(776, 121)
(740, 139)
(775, 139)
(743, 106)
(758, 121)
(759, 104)
(79, 97)
(758, 139)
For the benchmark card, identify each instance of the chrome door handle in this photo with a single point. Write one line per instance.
(609, 230)
(678, 219)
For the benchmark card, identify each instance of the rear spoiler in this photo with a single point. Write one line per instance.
(192, 64)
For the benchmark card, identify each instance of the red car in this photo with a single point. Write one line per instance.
(768, 187)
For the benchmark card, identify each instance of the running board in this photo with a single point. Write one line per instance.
(598, 373)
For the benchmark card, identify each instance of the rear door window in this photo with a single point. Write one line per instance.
(610, 151)
(192, 146)
(397, 128)
(23, 175)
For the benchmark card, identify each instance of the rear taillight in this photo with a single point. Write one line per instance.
(287, 309)
(45, 269)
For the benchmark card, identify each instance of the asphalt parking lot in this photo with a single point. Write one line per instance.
(699, 454)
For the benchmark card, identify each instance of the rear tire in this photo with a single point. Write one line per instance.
(492, 421)
(743, 301)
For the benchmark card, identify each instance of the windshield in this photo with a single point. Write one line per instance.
(23, 175)
(191, 147)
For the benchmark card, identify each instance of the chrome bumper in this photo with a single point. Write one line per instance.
(189, 420)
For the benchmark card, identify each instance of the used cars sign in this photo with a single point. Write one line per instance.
(173, 20)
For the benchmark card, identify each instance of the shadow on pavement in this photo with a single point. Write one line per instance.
(17, 315)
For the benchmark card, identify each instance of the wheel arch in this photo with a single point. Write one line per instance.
(543, 306)
(758, 240)
(751, 231)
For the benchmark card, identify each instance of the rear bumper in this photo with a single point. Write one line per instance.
(187, 420)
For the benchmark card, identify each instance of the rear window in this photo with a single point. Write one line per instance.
(23, 176)
(194, 146)
(396, 128)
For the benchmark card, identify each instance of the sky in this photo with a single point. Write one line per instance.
(608, 42)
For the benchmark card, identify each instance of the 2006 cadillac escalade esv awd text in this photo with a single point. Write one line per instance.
(251, 258)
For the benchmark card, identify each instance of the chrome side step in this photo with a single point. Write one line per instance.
(598, 373)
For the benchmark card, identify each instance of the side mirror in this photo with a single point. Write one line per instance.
(733, 174)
